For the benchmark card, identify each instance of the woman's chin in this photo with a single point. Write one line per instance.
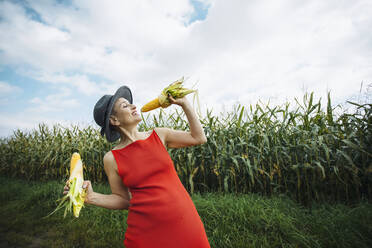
(138, 118)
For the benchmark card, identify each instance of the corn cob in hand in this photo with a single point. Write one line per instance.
(175, 89)
(76, 195)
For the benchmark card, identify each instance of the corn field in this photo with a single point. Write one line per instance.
(307, 153)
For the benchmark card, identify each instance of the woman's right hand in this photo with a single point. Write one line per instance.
(87, 185)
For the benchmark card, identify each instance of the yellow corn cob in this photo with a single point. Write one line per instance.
(175, 89)
(151, 105)
(76, 194)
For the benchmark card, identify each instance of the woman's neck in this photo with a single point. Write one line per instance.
(128, 136)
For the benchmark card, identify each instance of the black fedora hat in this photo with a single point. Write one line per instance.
(103, 109)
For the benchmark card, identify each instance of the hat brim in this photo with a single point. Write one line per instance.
(123, 91)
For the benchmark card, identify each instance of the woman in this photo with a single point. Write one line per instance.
(142, 176)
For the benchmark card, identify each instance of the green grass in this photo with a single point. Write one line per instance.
(245, 220)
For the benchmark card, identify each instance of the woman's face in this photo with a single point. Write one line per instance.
(124, 113)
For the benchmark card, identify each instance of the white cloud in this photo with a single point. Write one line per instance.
(6, 88)
(277, 48)
(62, 100)
(50, 109)
(81, 83)
(243, 51)
(8, 92)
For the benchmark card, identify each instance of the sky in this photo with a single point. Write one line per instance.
(57, 58)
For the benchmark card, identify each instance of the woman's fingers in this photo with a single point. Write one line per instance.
(171, 99)
(86, 185)
(67, 187)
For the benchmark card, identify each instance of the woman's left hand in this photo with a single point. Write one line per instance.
(179, 101)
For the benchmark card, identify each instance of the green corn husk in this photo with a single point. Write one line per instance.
(176, 90)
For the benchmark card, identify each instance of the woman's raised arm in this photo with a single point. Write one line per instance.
(178, 138)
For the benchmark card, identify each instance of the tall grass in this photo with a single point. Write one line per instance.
(306, 152)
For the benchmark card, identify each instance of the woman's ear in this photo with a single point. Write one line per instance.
(113, 120)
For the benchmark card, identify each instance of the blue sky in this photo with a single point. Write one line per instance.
(57, 58)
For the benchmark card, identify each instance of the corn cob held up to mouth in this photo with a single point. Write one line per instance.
(175, 89)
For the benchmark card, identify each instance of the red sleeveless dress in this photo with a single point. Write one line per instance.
(161, 212)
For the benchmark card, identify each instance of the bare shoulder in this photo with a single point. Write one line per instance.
(109, 161)
(162, 132)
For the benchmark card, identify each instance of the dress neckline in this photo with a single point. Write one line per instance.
(135, 141)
